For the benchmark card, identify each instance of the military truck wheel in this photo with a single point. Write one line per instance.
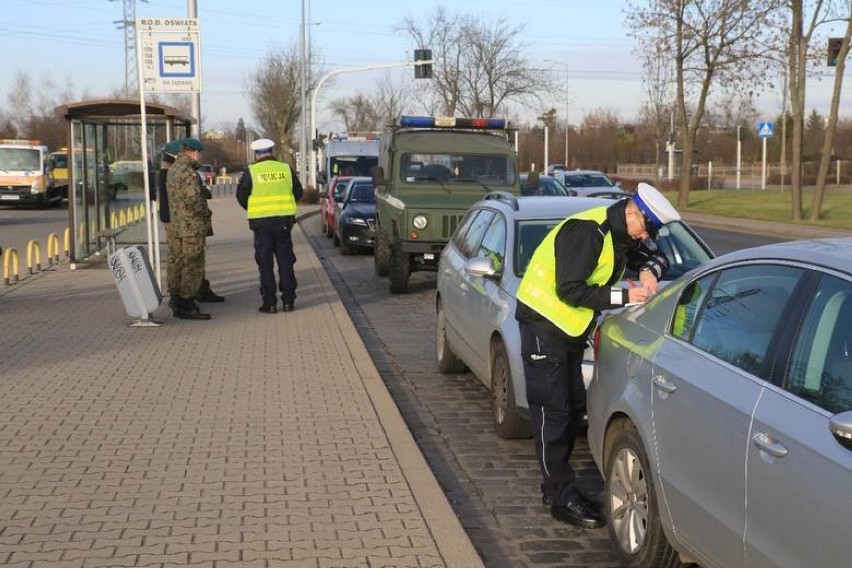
(381, 254)
(399, 270)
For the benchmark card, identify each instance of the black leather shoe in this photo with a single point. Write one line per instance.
(578, 513)
(268, 309)
(209, 296)
(188, 310)
(289, 307)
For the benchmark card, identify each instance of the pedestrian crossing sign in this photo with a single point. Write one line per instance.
(766, 129)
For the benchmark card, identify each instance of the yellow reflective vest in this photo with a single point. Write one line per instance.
(538, 285)
(271, 190)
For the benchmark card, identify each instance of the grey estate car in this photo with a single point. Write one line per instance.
(479, 272)
(720, 413)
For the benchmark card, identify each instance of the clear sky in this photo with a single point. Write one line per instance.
(81, 41)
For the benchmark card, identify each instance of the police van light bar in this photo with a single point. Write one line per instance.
(452, 122)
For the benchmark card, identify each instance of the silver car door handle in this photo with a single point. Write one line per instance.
(768, 445)
(664, 385)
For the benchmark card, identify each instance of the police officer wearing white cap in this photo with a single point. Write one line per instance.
(574, 274)
(269, 192)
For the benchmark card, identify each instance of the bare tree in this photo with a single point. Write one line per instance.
(656, 113)
(390, 99)
(800, 36)
(712, 42)
(274, 91)
(358, 113)
(479, 68)
(831, 124)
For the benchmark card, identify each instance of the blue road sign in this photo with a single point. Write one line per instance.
(766, 129)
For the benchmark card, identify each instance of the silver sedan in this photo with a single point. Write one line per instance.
(720, 413)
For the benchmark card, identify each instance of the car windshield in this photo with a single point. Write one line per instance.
(588, 180)
(487, 169)
(352, 165)
(681, 248)
(362, 193)
(59, 160)
(20, 159)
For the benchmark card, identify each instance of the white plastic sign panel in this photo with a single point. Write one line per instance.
(169, 54)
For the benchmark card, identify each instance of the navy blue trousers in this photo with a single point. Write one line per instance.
(557, 400)
(274, 244)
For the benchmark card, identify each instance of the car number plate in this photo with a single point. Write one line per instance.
(428, 256)
(9, 197)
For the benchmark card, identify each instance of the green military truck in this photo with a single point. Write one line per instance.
(431, 170)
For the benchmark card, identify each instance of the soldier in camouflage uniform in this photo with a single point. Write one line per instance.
(170, 153)
(190, 224)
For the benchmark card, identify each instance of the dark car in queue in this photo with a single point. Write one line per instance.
(328, 202)
(720, 413)
(479, 272)
(355, 216)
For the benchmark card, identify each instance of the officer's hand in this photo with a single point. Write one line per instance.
(637, 295)
(649, 281)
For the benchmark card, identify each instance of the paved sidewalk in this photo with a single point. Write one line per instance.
(246, 440)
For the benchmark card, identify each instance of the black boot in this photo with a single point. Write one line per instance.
(188, 309)
(206, 294)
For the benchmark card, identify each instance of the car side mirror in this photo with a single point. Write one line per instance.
(378, 175)
(841, 428)
(483, 266)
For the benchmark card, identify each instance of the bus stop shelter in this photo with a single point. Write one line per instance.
(106, 170)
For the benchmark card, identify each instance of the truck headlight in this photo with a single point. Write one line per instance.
(36, 187)
(420, 222)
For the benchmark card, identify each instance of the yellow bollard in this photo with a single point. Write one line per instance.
(33, 246)
(10, 257)
(67, 241)
(122, 218)
(140, 211)
(81, 234)
(113, 219)
(52, 248)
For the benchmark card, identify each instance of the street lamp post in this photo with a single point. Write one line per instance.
(313, 171)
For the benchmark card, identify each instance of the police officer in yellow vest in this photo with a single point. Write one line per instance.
(269, 192)
(574, 274)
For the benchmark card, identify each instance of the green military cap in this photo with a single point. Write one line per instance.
(173, 147)
(192, 143)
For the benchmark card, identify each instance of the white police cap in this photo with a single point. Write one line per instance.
(655, 206)
(262, 145)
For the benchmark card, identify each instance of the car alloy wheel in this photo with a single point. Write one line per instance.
(508, 422)
(631, 502)
(448, 362)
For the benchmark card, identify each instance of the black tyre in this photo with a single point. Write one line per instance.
(632, 507)
(345, 249)
(448, 362)
(381, 254)
(399, 269)
(508, 422)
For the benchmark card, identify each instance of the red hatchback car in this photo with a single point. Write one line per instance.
(333, 192)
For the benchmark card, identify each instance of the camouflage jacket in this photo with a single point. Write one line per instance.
(190, 215)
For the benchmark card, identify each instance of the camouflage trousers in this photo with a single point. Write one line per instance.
(177, 275)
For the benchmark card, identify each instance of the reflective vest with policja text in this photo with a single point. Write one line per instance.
(538, 286)
(271, 190)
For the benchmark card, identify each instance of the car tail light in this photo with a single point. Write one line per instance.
(596, 342)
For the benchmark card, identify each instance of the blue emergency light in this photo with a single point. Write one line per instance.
(452, 122)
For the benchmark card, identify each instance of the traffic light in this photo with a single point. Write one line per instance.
(834, 45)
(423, 71)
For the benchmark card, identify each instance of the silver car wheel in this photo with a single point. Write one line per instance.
(628, 501)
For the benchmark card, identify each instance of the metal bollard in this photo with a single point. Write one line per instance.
(33, 248)
(52, 248)
(10, 257)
